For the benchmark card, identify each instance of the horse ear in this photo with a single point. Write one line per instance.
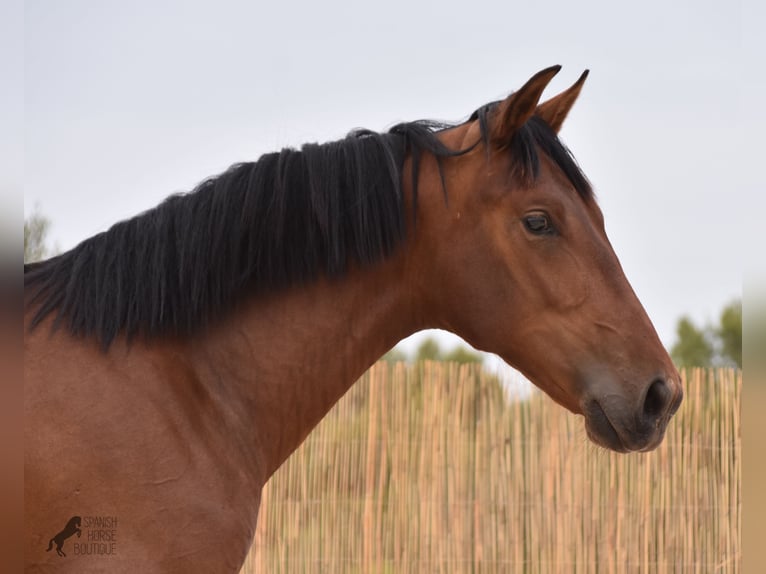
(517, 108)
(555, 110)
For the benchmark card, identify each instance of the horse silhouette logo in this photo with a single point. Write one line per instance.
(72, 527)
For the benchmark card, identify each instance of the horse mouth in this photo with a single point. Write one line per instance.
(600, 429)
(603, 432)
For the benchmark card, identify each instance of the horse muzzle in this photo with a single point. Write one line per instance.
(616, 422)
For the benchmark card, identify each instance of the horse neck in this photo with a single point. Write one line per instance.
(285, 359)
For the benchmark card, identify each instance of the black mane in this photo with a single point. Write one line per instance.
(265, 225)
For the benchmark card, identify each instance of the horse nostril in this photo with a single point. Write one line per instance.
(656, 401)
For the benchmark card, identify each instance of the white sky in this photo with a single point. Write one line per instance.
(127, 102)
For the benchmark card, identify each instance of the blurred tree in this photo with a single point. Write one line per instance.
(395, 355)
(710, 345)
(692, 349)
(730, 334)
(463, 355)
(428, 351)
(35, 233)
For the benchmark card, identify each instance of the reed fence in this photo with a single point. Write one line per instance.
(433, 468)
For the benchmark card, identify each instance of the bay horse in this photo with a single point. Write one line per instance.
(173, 362)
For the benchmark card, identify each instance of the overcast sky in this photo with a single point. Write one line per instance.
(127, 102)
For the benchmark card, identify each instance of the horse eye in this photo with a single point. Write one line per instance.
(538, 223)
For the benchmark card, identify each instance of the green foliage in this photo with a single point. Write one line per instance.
(730, 333)
(35, 233)
(428, 351)
(395, 355)
(719, 345)
(463, 355)
(692, 349)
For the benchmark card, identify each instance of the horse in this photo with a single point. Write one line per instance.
(174, 361)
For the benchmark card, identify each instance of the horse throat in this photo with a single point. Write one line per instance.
(281, 361)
